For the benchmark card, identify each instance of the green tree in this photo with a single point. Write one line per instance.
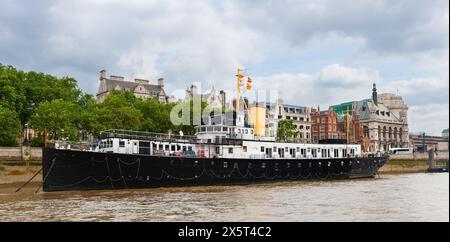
(155, 115)
(12, 89)
(59, 118)
(286, 130)
(23, 91)
(117, 111)
(40, 87)
(10, 128)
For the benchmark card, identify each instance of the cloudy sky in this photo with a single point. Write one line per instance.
(317, 52)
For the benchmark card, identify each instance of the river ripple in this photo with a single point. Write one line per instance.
(408, 197)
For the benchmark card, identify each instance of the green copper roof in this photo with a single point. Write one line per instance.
(341, 109)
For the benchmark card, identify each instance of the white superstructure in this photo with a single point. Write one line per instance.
(223, 136)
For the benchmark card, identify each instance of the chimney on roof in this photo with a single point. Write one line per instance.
(103, 74)
(161, 82)
(141, 81)
(117, 78)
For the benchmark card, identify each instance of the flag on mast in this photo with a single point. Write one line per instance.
(249, 83)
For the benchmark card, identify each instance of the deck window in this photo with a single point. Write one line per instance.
(121, 143)
(230, 150)
(314, 153)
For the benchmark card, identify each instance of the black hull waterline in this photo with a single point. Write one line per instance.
(81, 170)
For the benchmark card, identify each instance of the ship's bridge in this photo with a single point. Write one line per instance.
(224, 125)
(233, 132)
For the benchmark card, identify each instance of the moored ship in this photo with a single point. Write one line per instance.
(219, 153)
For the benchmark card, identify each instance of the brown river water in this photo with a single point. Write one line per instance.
(406, 197)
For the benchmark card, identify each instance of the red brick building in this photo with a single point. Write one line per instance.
(324, 125)
(354, 133)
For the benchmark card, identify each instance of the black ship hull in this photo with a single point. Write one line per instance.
(80, 170)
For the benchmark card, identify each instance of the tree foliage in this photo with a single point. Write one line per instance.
(10, 128)
(60, 119)
(286, 130)
(22, 91)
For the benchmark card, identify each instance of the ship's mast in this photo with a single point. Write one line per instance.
(239, 84)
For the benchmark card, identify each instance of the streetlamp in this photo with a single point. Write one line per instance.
(26, 141)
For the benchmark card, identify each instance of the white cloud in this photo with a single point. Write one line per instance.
(431, 118)
(333, 84)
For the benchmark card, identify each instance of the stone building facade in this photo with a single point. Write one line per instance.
(139, 87)
(214, 98)
(384, 119)
(422, 142)
(299, 115)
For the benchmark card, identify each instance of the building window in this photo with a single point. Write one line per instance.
(230, 150)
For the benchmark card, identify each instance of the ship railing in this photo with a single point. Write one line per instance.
(71, 145)
(141, 135)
